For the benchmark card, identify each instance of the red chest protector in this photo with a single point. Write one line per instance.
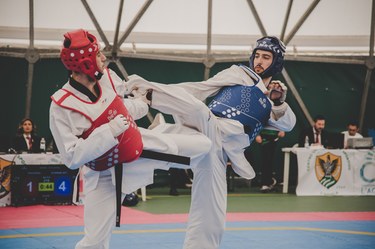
(108, 106)
(130, 143)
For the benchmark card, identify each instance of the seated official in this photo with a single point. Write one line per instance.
(26, 139)
(315, 135)
(351, 132)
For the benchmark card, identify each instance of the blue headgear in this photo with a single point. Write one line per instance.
(277, 48)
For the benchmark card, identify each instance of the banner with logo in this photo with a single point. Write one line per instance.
(335, 172)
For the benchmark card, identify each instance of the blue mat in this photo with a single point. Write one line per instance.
(238, 235)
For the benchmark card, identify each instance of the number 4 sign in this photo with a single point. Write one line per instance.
(63, 186)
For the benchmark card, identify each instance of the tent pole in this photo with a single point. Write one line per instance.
(115, 47)
(30, 72)
(282, 35)
(257, 18)
(364, 98)
(293, 89)
(301, 21)
(96, 23)
(370, 64)
(208, 63)
(134, 22)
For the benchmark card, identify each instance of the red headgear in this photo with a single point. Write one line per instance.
(79, 53)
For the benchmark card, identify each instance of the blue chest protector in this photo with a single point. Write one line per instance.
(246, 104)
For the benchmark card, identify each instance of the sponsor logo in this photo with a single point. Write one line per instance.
(367, 172)
(328, 169)
(112, 113)
(263, 102)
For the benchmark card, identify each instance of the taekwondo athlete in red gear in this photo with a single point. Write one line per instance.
(229, 134)
(99, 112)
(91, 123)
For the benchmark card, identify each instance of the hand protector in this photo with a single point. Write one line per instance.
(277, 92)
(118, 125)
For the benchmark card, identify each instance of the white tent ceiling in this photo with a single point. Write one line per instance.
(195, 30)
(312, 27)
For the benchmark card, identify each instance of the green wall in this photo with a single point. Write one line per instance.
(49, 75)
(334, 90)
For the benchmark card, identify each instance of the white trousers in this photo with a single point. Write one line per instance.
(100, 199)
(207, 213)
(99, 214)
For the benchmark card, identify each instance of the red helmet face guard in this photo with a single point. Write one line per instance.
(79, 53)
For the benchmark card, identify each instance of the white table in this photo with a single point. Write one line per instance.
(353, 171)
(286, 168)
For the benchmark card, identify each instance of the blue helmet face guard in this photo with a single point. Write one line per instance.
(277, 48)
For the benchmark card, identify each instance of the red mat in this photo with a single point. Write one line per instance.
(40, 216)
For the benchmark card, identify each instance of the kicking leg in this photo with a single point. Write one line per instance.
(174, 100)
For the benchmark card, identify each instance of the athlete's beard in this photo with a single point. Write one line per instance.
(259, 69)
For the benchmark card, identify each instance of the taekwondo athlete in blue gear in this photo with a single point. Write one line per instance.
(184, 101)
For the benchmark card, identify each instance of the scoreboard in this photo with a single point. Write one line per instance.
(41, 184)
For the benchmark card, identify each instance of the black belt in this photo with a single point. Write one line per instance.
(118, 182)
(165, 157)
(145, 154)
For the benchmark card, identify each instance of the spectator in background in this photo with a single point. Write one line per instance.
(351, 132)
(26, 139)
(268, 138)
(316, 135)
(179, 178)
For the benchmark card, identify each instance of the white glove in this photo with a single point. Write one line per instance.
(277, 91)
(118, 125)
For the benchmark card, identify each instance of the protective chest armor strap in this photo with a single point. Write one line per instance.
(246, 104)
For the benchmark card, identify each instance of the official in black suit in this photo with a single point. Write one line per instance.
(316, 134)
(26, 139)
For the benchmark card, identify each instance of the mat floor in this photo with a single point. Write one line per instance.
(254, 220)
